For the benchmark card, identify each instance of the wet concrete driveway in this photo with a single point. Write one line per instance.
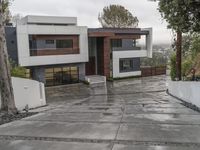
(127, 115)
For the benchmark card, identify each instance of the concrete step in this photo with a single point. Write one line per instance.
(95, 79)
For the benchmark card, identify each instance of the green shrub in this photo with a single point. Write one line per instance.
(186, 66)
(17, 71)
(173, 67)
(158, 59)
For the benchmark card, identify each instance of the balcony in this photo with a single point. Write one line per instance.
(126, 49)
(47, 52)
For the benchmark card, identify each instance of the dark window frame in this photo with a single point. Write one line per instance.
(122, 65)
(61, 77)
(67, 43)
(49, 41)
(116, 43)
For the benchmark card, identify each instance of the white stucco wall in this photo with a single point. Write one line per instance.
(31, 19)
(187, 91)
(147, 52)
(117, 55)
(23, 31)
(28, 92)
(149, 41)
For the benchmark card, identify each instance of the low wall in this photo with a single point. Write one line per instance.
(186, 91)
(153, 71)
(28, 92)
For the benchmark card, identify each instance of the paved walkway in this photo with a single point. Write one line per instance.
(128, 115)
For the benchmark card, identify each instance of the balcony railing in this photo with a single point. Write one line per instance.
(46, 52)
(125, 49)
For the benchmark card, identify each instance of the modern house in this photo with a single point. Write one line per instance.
(56, 51)
(115, 53)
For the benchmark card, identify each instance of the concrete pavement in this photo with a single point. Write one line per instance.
(126, 115)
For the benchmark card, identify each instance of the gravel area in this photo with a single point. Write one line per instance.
(6, 118)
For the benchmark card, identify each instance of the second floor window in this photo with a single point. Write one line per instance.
(116, 43)
(64, 43)
(49, 41)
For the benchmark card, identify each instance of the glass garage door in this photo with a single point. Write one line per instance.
(61, 76)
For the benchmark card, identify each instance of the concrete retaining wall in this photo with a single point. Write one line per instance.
(187, 91)
(28, 92)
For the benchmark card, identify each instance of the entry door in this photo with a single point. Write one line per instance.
(90, 66)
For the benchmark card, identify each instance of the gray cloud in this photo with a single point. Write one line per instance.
(87, 12)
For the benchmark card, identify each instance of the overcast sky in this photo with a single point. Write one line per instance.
(87, 12)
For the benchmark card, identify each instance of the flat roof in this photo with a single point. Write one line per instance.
(136, 31)
(31, 19)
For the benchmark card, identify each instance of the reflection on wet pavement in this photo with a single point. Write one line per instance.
(132, 114)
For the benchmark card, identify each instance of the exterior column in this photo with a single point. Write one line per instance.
(106, 57)
(82, 72)
(38, 74)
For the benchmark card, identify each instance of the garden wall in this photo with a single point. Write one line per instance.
(28, 92)
(186, 91)
(153, 71)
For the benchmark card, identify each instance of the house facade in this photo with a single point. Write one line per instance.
(56, 51)
(115, 53)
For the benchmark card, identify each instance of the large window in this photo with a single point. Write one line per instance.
(116, 43)
(61, 75)
(49, 41)
(64, 43)
(126, 65)
(43, 45)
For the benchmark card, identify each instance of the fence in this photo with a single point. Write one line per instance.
(153, 71)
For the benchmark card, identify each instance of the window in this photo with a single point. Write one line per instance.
(64, 43)
(28, 73)
(61, 75)
(126, 65)
(134, 43)
(116, 43)
(49, 41)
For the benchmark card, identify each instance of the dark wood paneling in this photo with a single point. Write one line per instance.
(47, 52)
(153, 71)
(90, 66)
(101, 34)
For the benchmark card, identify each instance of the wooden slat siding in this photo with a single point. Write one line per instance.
(101, 34)
(161, 70)
(153, 71)
(53, 37)
(106, 59)
(54, 52)
(121, 36)
(113, 36)
(91, 66)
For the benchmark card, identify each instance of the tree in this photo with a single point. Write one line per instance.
(6, 11)
(195, 45)
(116, 16)
(15, 18)
(6, 90)
(182, 16)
